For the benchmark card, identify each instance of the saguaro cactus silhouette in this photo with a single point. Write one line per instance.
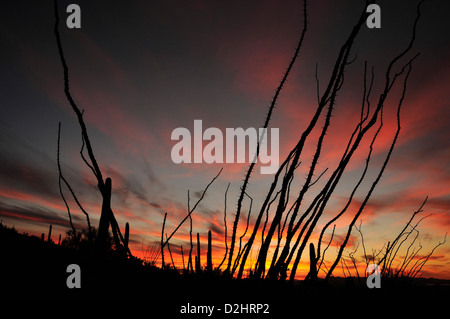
(104, 217)
(198, 263)
(127, 235)
(312, 262)
(49, 238)
(209, 254)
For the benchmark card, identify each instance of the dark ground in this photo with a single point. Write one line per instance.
(33, 269)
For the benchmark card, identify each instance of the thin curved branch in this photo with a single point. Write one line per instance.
(191, 210)
(96, 168)
(266, 124)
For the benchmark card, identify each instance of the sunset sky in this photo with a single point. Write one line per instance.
(141, 69)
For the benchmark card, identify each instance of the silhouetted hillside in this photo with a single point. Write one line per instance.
(35, 269)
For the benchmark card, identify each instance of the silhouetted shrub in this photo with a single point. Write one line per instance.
(84, 240)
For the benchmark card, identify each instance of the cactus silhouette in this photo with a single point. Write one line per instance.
(209, 255)
(127, 235)
(312, 262)
(198, 268)
(49, 238)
